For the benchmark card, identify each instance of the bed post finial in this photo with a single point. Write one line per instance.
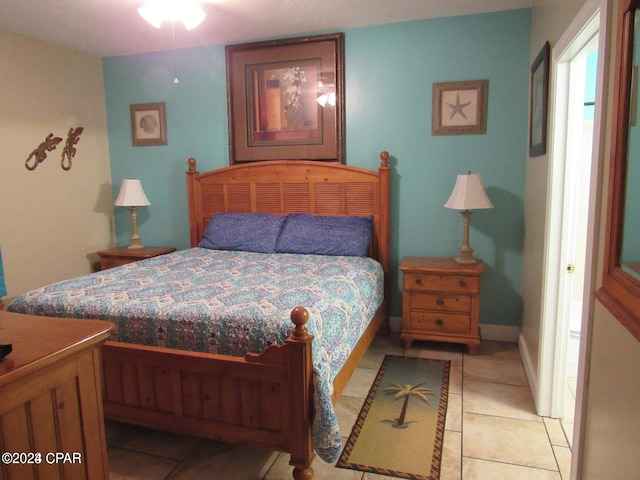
(192, 166)
(384, 156)
(300, 316)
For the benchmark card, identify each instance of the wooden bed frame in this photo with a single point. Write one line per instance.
(263, 400)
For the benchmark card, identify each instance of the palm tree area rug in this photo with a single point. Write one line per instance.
(400, 429)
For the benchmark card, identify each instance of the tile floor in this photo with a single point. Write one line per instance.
(492, 430)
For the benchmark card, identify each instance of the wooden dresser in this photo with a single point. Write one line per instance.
(51, 420)
(441, 301)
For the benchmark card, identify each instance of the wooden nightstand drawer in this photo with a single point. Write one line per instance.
(434, 301)
(114, 257)
(114, 262)
(441, 283)
(435, 322)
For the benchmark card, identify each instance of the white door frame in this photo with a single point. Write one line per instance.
(577, 34)
(564, 203)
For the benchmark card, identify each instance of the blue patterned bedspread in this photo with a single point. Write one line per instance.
(230, 303)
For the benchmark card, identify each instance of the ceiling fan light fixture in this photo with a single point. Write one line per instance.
(151, 13)
(157, 11)
(192, 17)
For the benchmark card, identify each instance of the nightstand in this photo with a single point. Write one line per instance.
(441, 301)
(114, 257)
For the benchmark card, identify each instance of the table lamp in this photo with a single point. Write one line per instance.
(468, 194)
(132, 195)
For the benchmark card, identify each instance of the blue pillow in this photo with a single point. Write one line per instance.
(322, 235)
(250, 232)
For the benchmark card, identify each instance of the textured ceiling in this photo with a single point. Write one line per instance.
(113, 27)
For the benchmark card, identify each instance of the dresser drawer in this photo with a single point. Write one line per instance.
(441, 322)
(441, 283)
(442, 302)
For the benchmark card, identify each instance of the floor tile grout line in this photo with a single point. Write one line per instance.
(533, 467)
(139, 452)
(553, 450)
(502, 383)
(504, 417)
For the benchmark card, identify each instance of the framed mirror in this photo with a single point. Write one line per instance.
(620, 290)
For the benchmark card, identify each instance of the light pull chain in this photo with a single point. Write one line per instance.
(173, 40)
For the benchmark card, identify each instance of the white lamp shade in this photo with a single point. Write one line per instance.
(468, 194)
(131, 194)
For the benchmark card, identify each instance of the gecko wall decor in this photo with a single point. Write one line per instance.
(39, 155)
(69, 151)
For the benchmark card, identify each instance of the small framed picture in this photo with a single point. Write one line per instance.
(539, 103)
(148, 124)
(459, 108)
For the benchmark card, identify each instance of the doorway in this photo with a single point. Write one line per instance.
(581, 71)
(572, 191)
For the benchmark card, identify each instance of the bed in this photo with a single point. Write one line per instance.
(275, 397)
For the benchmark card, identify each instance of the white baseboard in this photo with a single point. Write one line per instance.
(500, 333)
(530, 369)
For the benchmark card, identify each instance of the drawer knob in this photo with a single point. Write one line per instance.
(419, 281)
(439, 322)
(440, 302)
(463, 284)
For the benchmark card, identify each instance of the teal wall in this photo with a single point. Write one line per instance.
(389, 72)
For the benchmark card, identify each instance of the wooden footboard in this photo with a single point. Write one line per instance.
(262, 400)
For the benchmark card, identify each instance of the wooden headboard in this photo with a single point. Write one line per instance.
(294, 186)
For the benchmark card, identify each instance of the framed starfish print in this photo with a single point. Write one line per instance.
(459, 108)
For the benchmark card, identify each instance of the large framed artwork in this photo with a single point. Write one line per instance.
(539, 103)
(286, 99)
(148, 124)
(459, 108)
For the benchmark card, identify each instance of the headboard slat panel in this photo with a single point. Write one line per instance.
(212, 199)
(296, 198)
(268, 198)
(238, 197)
(360, 199)
(329, 199)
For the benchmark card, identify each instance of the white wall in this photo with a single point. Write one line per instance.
(52, 220)
(611, 439)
